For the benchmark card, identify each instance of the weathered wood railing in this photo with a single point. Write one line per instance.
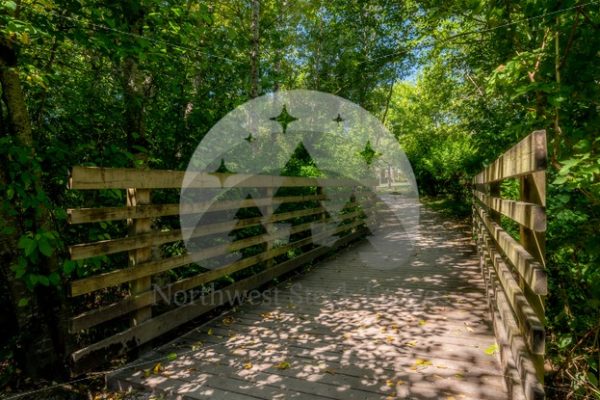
(514, 270)
(133, 284)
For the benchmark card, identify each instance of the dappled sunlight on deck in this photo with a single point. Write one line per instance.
(346, 331)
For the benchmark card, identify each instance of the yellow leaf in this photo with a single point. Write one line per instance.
(493, 349)
(266, 315)
(330, 371)
(459, 375)
(248, 365)
(157, 368)
(389, 383)
(389, 339)
(228, 321)
(209, 332)
(412, 343)
(422, 322)
(421, 363)
(283, 365)
(25, 38)
(147, 373)
(400, 382)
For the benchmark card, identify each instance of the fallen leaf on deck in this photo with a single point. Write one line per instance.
(422, 322)
(421, 363)
(248, 365)
(172, 356)
(389, 339)
(228, 321)
(412, 343)
(209, 332)
(283, 365)
(197, 345)
(493, 349)
(157, 368)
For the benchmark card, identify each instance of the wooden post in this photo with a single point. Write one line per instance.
(136, 197)
(533, 190)
(495, 191)
(268, 211)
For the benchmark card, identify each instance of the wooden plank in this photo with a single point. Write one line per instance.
(122, 178)
(516, 361)
(533, 189)
(148, 330)
(103, 314)
(532, 271)
(530, 215)
(531, 326)
(112, 246)
(507, 329)
(102, 214)
(116, 277)
(527, 156)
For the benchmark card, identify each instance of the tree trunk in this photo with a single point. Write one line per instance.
(12, 94)
(40, 332)
(133, 82)
(254, 55)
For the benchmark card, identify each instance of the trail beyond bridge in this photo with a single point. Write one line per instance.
(455, 318)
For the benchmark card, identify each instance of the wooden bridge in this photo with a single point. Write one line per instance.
(331, 322)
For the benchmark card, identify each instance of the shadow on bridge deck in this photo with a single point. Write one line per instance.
(345, 331)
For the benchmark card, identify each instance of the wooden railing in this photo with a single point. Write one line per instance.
(514, 270)
(133, 284)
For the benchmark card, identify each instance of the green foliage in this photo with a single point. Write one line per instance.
(487, 73)
(24, 203)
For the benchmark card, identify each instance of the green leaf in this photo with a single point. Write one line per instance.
(54, 279)
(27, 244)
(592, 378)
(45, 247)
(560, 180)
(9, 5)
(68, 267)
(172, 356)
(43, 280)
(23, 302)
(565, 341)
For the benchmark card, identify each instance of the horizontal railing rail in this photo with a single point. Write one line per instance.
(514, 270)
(134, 284)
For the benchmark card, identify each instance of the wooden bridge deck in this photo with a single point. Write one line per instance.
(345, 331)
